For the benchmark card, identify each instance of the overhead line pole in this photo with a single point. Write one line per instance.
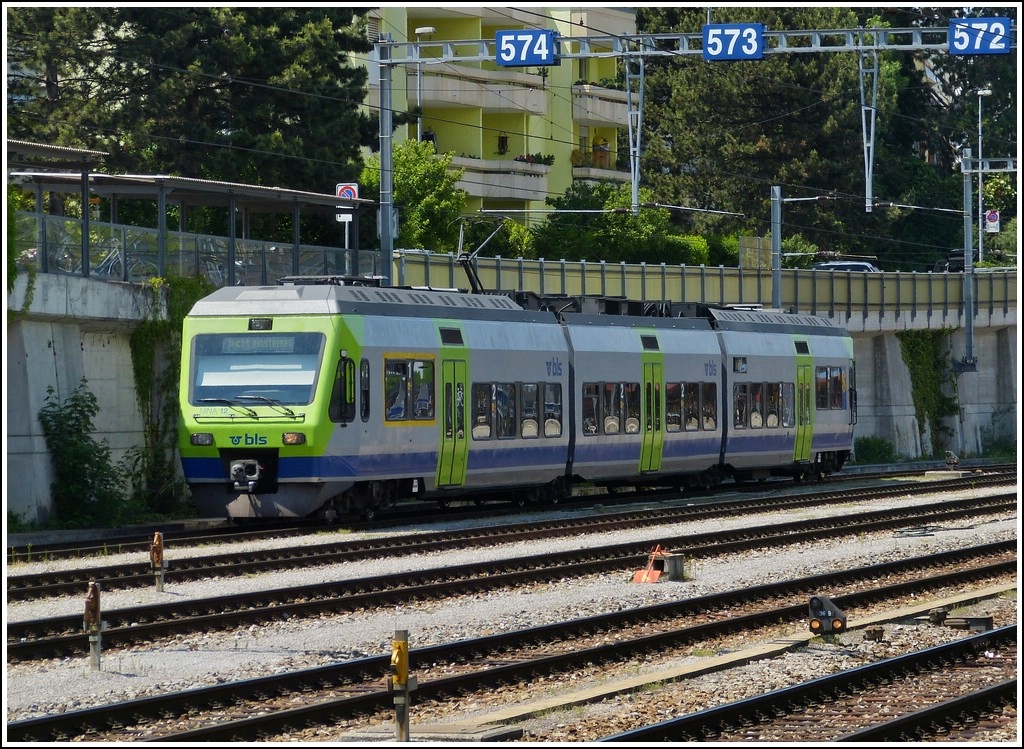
(639, 47)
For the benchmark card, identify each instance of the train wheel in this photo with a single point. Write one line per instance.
(444, 504)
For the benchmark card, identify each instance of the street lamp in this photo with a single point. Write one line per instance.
(419, 80)
(981, 210)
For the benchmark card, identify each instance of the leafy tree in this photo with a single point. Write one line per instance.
(575, 230)
(254, 95)
(718, 136)
(426, 196)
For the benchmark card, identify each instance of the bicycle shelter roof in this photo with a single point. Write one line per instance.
(190, 192)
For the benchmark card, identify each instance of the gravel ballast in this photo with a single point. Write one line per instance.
(194, 660)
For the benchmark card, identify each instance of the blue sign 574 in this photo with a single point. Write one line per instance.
(525, 47)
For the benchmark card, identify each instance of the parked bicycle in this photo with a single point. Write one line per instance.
(113, 263)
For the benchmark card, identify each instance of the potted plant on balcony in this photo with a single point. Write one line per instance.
(546, 159)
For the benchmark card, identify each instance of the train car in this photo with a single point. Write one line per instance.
(325, 396)
(341, 399)
(788, 384)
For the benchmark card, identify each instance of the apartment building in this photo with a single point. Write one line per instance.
(522, 134)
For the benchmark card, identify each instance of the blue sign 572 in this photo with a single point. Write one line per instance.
(525, 47)
(979, 36)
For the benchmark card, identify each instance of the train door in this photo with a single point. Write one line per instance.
(653, 428)
(451, 458)
(804, 396)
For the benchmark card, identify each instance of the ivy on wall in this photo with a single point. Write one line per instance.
(15, 200)
(926, 354)
(156, 354)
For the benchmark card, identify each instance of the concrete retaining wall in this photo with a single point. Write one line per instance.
(78, 328)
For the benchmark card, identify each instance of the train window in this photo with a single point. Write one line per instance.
(460, 409)
(631, 404)
(836, 387)
(802, 347)
(739, 405)
(612, 408)
(803, 406)
(590, 407)
(481, 410)
(773, 397)
(529, 427)
(652, 412)
(691, 406)
(396, 386)
(788, 404)
(280, 367)
(674, 407)
(756, 405)
(821, 387)
(739, 364)
(451, 337)
(709, 406)
(334, 406)
(505, 409)
(342, 406)
(552, 409)
(423, 388)
(364, 389)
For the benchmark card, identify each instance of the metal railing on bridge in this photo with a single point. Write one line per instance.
(923, 299)
(54, 244)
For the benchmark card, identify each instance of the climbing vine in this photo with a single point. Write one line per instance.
(926, 354)
(156, 354)
(14, 200)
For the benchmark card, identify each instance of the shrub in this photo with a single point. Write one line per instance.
(874, 450)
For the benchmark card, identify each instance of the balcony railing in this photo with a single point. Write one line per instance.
(596, 106)
(493, 91)
(503, 179)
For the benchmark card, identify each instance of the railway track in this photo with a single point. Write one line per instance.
(115, 542)
(188, 563)
(63, 636)
(932, 693)
(258, 709)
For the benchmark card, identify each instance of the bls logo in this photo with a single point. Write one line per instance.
(554, 367)
(249, 440)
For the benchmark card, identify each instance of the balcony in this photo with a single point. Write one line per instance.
(503, 179)
(596, 106)
(494, 92)
(593, 174)
(585, 167)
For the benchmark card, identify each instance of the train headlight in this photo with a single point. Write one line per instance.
(293, 438)
(201, 438)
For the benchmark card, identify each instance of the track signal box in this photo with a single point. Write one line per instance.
(825, 618)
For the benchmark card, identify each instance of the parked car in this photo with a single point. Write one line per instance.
(847, 265)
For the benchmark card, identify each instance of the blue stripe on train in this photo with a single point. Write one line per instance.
(406, 464)
(486, 458)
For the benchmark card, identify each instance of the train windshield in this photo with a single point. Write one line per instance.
(279, 367)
